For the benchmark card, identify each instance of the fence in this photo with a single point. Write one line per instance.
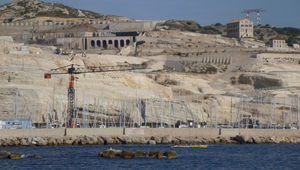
(256, 110)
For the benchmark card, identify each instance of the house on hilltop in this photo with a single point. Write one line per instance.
(278, 43)
(241, 28)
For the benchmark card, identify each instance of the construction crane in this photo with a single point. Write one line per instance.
(74, 69)
(257, 11)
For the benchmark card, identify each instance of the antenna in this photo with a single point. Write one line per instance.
(257, 11)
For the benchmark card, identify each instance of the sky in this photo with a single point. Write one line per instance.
(281, 13)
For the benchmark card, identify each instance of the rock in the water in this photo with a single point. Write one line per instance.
(127, 154)
(110, 153)
(41, 141)
(108, 140)
(52, 141)
(4, 154)
(100, 140)
(152, 142)
(139, 154)
(37, 157)
(156, 154)
(159, 155)
(239, 138)
(170, 154)
(157, 139)
(16, 156)
(166, 140)
(138, 140)
(147, 154)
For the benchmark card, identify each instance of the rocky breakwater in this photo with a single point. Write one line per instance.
(125, 154)
(151, 140)
(5, 154)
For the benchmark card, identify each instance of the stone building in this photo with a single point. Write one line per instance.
(241, 28)
(278, 43)
(95, 41)
(89, 36)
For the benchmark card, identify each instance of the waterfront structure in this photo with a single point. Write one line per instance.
(15, 124)
(241, 28)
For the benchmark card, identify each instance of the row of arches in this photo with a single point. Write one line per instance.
(217, 60)
(109, 43)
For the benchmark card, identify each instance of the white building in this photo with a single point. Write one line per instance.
(241, 28)
(278, 43)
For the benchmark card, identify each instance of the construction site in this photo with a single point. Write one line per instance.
(96, 73)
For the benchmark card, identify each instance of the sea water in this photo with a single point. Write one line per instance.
(214, 157)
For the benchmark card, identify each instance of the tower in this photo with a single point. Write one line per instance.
(257, 11)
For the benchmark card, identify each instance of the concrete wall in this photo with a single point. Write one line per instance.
(95, 132)
(205, 132)
(113, 25)
(31, 132)
(260, 132)
(279, 58)
(183, 132)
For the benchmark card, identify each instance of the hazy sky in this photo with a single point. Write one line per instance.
(205, 12)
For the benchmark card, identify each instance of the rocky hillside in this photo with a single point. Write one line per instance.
(190, 26)
(263, 33)
(267, 32)
(29, 9)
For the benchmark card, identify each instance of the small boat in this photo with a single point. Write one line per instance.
(189, 146)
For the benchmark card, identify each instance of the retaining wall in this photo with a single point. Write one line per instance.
(204, 132)
(261, 132)
(95, 132)
(182, 132)
(31, 132)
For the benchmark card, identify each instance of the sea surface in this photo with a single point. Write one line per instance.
(214, 157)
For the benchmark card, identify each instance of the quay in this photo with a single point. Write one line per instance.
(109, 136)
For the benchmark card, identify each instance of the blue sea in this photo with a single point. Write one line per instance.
(213, 157)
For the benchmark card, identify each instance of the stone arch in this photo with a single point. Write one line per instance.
(225, 61)
(104, 42)
(122, 43)
(116, 43)
(98, 43)
(93, 44)
(127, 42)
(110, 42)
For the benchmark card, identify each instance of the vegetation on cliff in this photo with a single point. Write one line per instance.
(266, 33)
(28, 9)
(190, 26)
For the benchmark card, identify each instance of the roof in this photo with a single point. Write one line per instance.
(238, 20)
(277, 38)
